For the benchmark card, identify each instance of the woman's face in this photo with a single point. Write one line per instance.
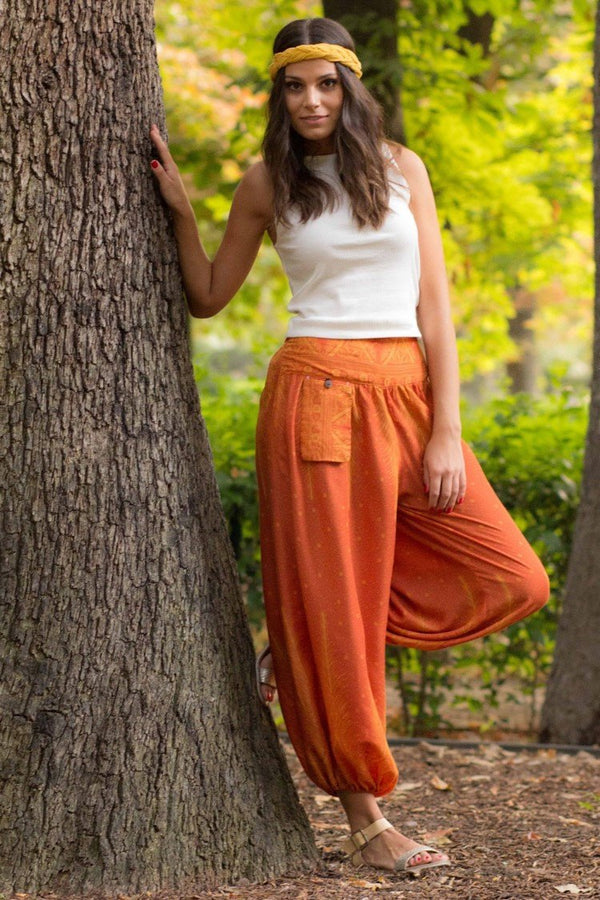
(314, 97)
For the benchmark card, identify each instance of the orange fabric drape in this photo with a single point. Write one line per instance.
(352, 556)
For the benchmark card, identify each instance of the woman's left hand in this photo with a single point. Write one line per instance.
(444, 472)
(167, 175)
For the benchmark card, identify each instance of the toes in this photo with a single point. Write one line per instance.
(421, 858)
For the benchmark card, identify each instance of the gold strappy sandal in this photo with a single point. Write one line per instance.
(264, 675)
(360, 839)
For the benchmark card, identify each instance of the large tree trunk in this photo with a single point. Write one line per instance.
(571, 712)
(374, 27)
(134, 753)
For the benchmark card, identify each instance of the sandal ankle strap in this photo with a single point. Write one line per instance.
(358, 840)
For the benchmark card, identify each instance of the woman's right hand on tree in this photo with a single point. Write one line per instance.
(167, 174)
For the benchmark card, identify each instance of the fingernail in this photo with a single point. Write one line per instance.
(425, 488)
(448, 509)
(460, 499)
(154, 164)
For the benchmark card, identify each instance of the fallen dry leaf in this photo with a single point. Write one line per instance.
(578, 822)
(533, 836)
(439, 836)
(370, 885)
(548, 754)
(439, 784)
(570, 889)
(321, 799)
(331, 826)
(409, 786)
(492, 751)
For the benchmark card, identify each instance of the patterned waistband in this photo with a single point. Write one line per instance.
(371, 360)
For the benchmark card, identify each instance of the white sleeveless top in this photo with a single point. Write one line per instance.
(351, 282)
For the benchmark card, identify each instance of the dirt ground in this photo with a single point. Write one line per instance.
(517, 825)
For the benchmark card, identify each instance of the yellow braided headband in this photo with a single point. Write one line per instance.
(332, 52)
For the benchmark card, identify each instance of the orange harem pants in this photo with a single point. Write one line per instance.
(353, 558)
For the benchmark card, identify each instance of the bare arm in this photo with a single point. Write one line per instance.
(209, 286)
(443, 462)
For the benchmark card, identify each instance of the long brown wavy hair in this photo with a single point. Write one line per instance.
(358, 140)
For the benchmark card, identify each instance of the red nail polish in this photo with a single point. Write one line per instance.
(425, 488)
(461, 499)
(154, 164)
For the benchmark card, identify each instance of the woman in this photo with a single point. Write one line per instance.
(377, 523)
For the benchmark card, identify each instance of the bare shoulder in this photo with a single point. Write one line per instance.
(256, 182)
(254, 193)
(410, 164)
(257, 177)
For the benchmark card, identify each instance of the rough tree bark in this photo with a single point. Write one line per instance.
(374, 27)
(134, 753)
(571, 712)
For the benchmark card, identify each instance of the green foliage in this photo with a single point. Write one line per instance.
(591, 805)
(506, 140)
(423, 682)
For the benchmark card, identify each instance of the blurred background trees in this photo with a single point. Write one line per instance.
(497, 99)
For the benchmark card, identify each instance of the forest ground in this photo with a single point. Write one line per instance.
(518, 825)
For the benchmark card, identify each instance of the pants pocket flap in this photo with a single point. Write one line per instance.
(325, 420)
